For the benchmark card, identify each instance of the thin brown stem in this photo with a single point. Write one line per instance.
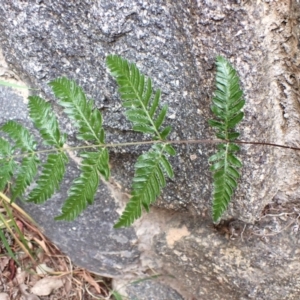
(202, 141)
(268, 144)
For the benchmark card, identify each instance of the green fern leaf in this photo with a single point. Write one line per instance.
(21, 136)
(25, 175)
(7, 165)
(141, 102)
(44, 119)
(228, 101)
(150, 171)
(7, 168)
(6, 149)
(227, 105)
(225, 165)
(28, 169)
(50, 178)
(84, 188)
(85, 117)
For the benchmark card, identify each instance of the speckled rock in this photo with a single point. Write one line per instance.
(254, 253)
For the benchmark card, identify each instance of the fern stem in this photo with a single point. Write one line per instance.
(114, 145)
(268, 144)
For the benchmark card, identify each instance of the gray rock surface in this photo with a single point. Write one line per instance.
(254, 253)
(149, 290)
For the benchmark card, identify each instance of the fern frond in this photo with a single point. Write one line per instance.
(45, 121)
(150, 171)
(140, 101)
(84, 188)
(224, 167)
(28, 169)
(7, 169)
(50, 178)
(7, 165)
(227, 102)
(20, 135)
(227, 105)
(81, 111)
(6, 150)
(25, 175)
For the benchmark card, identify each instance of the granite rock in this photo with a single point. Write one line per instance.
(253, 253)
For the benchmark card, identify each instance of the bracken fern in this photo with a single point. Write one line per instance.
(226, 105)
(20, 159)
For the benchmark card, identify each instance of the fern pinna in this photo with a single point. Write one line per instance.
(88, 121)
(226, 105)
(141, 105)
